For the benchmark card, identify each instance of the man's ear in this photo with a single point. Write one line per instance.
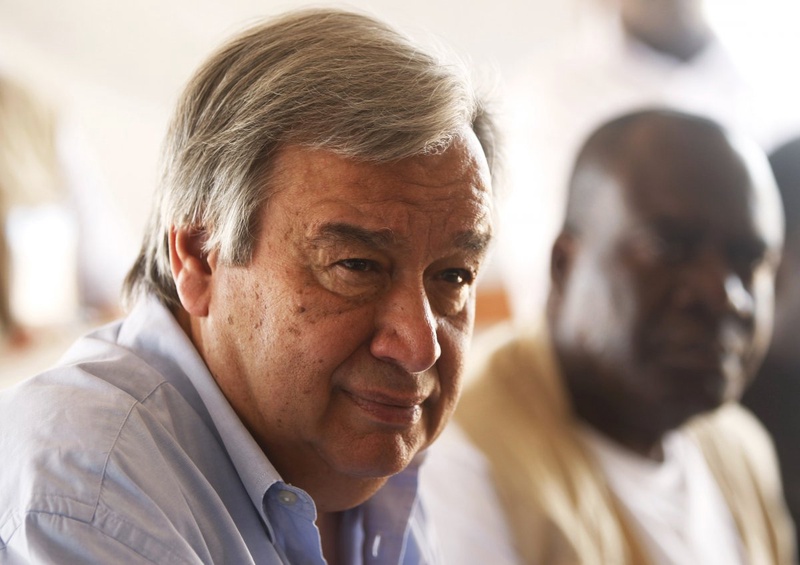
(192, 268)
(562, 257)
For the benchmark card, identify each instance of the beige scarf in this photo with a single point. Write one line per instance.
(559, 507)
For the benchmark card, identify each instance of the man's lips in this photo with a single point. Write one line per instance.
(389, 409)
(707, 368)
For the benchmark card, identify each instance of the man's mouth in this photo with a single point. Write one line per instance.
(697, 354)
(707, 368)
(395, 410)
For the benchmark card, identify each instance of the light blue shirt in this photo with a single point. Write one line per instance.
(127, 452)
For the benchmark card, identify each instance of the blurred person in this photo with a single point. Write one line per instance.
(60, 245)
(612, 432)
(29, 176)
(300, 312)
(625, 54)
(776, 392)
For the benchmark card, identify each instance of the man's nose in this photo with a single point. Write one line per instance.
(739, 299)
(406, 330)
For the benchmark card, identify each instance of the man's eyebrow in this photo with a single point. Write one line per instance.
(473, 241)
(339, 232)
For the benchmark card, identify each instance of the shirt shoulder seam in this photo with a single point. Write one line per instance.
(90, 523)
(103, 473)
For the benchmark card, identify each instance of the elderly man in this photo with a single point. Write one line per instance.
(613, 433)
(300, 311)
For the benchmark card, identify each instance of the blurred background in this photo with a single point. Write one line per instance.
(105, 75)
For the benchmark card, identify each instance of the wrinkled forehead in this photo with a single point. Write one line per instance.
(444, 189)
(463, 158)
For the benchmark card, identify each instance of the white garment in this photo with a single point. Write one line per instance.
(676, 506)
(556, 99)
(462, 505)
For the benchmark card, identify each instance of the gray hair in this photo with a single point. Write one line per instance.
(323, 78)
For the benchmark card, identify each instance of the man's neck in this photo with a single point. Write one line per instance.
(644, 444)
(607, 420)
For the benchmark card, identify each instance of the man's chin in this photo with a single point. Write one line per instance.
(682, 408)
(373, 458)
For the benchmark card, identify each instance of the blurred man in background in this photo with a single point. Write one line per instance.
(612, 432)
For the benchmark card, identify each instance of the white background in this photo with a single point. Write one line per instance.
(116, 67)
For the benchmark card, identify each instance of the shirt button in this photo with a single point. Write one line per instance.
(287, 498)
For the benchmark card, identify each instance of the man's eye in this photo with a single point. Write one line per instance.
(362, 265)
(674, 251)
(458, 276)
(354, 277)
(665, 249)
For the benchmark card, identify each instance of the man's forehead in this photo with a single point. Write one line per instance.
(340, 201)
(322, 177)
(463, 155)
(737, 204)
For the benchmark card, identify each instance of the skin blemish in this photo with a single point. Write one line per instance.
(301, 309)
(230, 320)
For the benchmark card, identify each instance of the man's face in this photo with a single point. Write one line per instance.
(341, 344)
(667, 304)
